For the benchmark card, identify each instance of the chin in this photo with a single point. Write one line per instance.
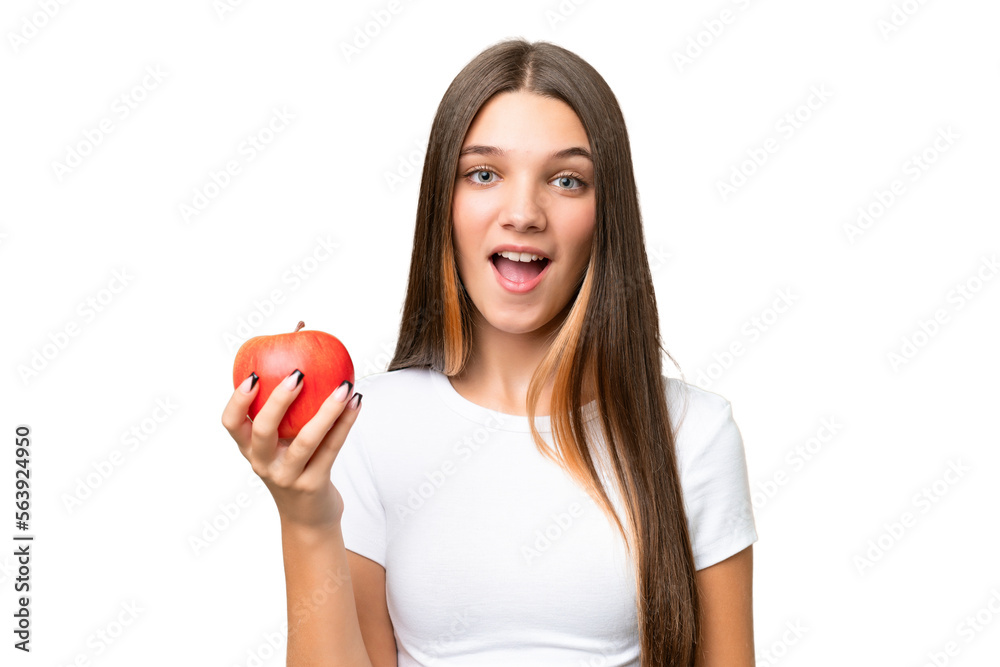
(509, 319)
(518, 321)
(514, 324)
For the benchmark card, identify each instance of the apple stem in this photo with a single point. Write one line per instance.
(299, 326)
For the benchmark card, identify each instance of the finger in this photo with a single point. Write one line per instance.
(264, 437)
(312, 432)
(235, 418)
(319, 466)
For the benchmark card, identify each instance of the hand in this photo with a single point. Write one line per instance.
(296, 471)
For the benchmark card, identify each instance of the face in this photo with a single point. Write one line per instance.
(524, 186)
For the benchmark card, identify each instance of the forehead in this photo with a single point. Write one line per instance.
(526, 123)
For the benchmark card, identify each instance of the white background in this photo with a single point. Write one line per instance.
(718, 262)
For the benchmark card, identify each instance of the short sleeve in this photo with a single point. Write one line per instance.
(716, 487)
(363, 523)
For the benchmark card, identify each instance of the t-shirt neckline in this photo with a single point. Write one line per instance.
(492, 418)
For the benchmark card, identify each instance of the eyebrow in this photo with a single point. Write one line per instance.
(493, 151)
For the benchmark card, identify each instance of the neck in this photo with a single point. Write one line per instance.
(501, 365)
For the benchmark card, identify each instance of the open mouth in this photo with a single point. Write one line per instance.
(519, 268)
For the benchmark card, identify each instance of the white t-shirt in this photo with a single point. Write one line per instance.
(493, 554)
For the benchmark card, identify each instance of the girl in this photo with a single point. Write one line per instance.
(527, 488)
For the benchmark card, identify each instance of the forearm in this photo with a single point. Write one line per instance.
(323, 628)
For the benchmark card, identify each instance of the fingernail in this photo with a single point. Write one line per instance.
(293, 380)
(247, 386)
(341, 392)
(355, 402)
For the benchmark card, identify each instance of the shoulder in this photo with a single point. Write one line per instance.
(397, 377)
(388, 393)
(394, 383)
(692, 408)
(703, 425)
(682, 391)
(712, 466)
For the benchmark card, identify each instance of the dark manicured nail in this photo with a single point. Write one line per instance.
(248, 384)
(297, 375)
(356, 402)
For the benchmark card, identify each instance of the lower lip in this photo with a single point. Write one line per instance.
(519, 288)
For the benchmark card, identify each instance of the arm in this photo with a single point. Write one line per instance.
(373, 610)
(323, 626)
(322, 616)
(726, 594)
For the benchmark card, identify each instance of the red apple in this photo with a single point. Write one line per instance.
(321, 357)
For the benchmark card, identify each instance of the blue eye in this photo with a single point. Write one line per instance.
(581, 184)
(565, 181)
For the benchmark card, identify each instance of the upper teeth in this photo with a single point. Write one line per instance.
(518, 256)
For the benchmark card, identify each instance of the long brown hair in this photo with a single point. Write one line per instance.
(609, 339)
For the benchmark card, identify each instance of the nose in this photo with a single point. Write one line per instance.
(522, 208)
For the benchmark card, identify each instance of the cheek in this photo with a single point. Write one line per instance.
(463, 219)
(580, 233)
(463, 240)
(470, 221)
(470, 217)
